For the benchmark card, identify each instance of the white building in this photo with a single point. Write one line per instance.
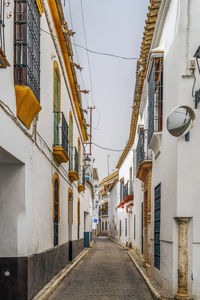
(106, 208)
(166, 167)
(45, 205)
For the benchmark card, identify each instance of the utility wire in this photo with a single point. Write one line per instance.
(92, 51)
(72, 27)
(105, 148)
(85, 36)
(104, 53)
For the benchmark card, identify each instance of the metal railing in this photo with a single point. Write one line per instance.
(2, 25)
(128, 189)
(73, 160)
(61, 131)
(143, 153)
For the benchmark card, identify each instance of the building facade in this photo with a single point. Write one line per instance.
(45, 204)
(165, 186)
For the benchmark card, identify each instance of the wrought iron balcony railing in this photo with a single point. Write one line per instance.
(143, 153)
(73, 160)
(61, 131)
(128, 189)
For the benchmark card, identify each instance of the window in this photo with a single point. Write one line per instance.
(56, 105)
(102, 225)
(56, 208)
(134, 227)
(142, 229)
(70, 141)
(157, 196)
(27, 45)
(120, 228)
(121, 190)
(156, 97)
(125, 227)
(106, 225)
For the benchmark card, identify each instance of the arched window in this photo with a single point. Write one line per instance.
(70, 140)
(78, 218)
(56, 103)
(56, 207)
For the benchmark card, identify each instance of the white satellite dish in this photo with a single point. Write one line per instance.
(179, 121)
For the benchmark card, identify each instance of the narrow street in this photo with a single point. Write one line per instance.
(105, 273)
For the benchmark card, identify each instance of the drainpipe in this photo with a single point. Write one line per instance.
(182, 292)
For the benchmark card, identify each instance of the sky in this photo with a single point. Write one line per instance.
(116, 27)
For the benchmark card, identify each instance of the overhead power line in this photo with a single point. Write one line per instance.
(105, 148)
(104, 53)
(93, 51)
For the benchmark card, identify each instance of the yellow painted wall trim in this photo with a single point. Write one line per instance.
(27, 105)
(62, 42)
(40, 6)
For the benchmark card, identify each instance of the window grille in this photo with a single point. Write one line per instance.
(157, 196)
(155, 97)
(27, 45)
(120, 228)
(2, 25)
(56, 208)
(106, 225)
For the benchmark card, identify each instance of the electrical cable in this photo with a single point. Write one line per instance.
(92, 51)
(85, 36)
(72, 27)
(105, 148)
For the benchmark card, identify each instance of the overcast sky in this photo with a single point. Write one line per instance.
(116, 27)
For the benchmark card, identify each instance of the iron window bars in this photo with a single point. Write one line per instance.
(2, 25)
(27, 45)
(156, 97)
(61, 130)
(142, 152)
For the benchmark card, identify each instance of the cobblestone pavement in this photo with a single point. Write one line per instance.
(106, 273)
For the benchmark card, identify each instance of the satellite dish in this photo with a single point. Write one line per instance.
(179, 121)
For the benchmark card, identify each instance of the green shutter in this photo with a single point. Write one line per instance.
(56, 109)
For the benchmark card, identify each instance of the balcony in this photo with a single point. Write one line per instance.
(73, 164)
(81, 181)
(60, 146)
(144, 155)
(128, 191)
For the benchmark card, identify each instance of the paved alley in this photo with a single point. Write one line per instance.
(105, 273)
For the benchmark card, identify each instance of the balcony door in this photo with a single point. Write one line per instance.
(56, 106)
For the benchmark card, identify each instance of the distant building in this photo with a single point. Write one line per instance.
(105, 187)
